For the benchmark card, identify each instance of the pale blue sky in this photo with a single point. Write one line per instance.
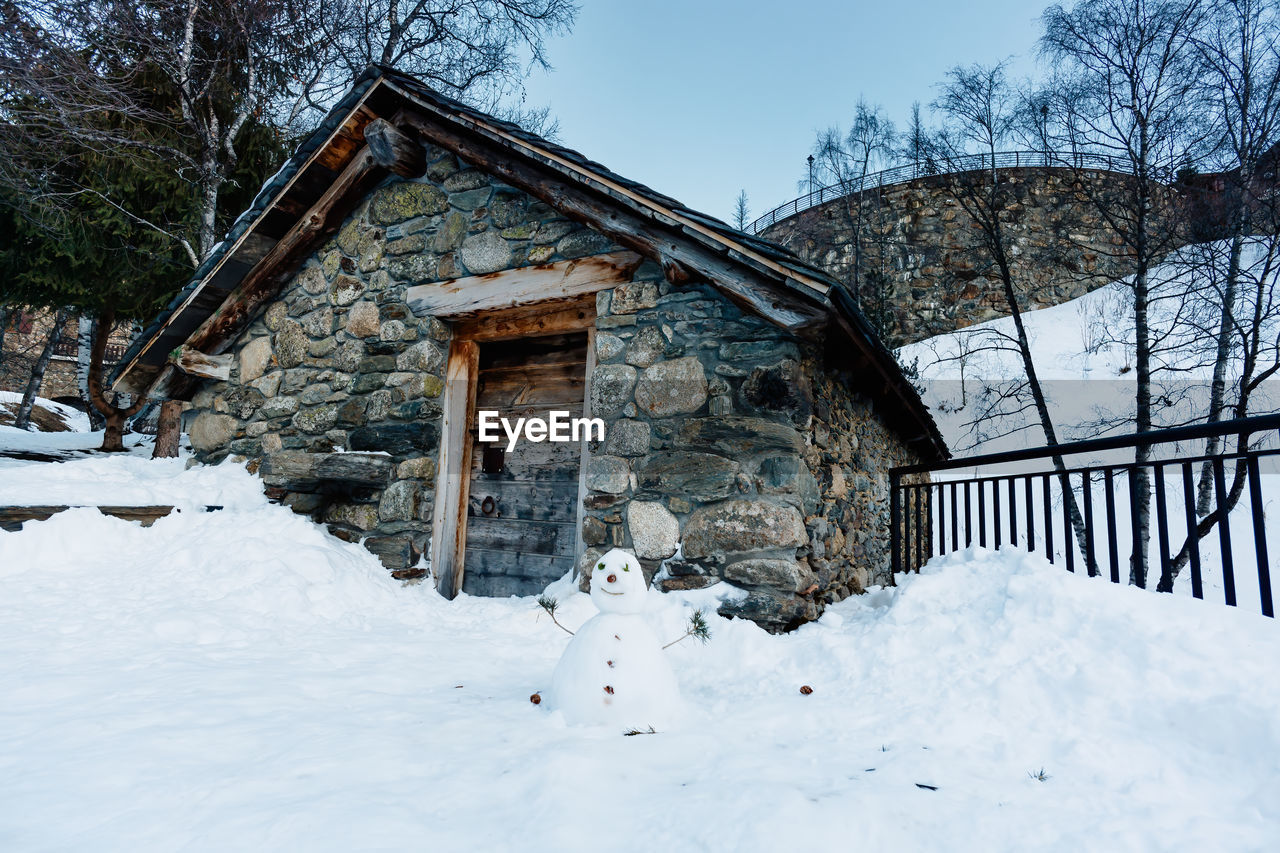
(698, 99)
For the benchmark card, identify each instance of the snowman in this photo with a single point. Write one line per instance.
(613, 671)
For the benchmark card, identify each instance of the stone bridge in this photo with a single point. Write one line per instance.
(923, 270)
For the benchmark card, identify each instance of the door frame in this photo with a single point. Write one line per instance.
(453, 476)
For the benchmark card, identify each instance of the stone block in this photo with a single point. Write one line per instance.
(655, 533)
(646, 347)
(291, 344)
(787, 575)
(359, 516)
(400, 501)
(400, 202)
(423, 356)
(701, 476)
(363, 320)
(211, 431)
(740, 436)
(611, 387)
(742, 525)
(316, 420)
(485, 252)
(345, 290)
(610, 474)
(672, 387)
(255, 356)
(627, 438)
(396, 439)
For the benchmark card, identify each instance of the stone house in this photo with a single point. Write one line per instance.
(418, 262)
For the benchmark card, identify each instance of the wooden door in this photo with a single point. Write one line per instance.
(522, 504)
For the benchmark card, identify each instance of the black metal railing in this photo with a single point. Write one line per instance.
(70, 347)
(939, 166)
(1022, 499)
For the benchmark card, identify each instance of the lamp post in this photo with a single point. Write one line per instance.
(810, 180)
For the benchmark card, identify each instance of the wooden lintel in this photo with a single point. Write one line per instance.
(195, 363)
(529, 321)
(395, 150)
(520, 286)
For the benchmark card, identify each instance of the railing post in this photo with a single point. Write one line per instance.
(895, 522)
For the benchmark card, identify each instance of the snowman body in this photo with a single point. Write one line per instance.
(613, 671)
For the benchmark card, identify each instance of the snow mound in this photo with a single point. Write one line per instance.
(46, 415)
(123, 479)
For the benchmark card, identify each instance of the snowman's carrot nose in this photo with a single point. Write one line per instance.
(612, 579)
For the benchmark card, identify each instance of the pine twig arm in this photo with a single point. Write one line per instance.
(550, 604)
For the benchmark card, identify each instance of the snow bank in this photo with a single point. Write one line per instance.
(241, 680)
(71, 418)
(128, 480)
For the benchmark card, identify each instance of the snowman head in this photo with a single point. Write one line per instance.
(617, 583)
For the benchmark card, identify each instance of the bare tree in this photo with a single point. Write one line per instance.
(1129, 70)
(1240, 49)
(22, 420)
(176, 80)
(914, 143)
(741, 213)
(479, 50)
(980, 107)
(846, 159)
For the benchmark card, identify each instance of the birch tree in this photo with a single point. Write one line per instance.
(1129, 70)
(980, 108)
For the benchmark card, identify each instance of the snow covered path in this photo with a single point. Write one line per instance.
(241, 680)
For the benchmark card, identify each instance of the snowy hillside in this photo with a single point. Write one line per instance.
(241, 680)
(1084, 356)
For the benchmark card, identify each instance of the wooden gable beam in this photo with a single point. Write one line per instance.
(218, 332)
(395, 150)
(667, 246)
(195, 363)
(509, 288)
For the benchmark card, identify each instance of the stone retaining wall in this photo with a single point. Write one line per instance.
(926, 247)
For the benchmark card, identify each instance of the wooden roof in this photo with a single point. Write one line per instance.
(305, 203)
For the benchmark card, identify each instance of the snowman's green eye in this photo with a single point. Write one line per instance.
(599, 565)
(625, 567)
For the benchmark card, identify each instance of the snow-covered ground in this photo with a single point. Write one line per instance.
(240, 680)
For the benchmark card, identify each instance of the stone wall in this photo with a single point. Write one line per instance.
(850, 455)
(719, 426)
(338, 362)
(736, 442)
(926, 247)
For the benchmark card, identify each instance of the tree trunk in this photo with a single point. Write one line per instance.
(23, 418)
(1042, 406)
(113, 436)
(1139, 477)
(1222, 354)
(84, 356)
(168, 430)
(4, 324)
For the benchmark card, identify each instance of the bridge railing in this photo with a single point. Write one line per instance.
(928, 166)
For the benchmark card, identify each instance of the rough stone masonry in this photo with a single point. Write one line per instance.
(732, 451)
